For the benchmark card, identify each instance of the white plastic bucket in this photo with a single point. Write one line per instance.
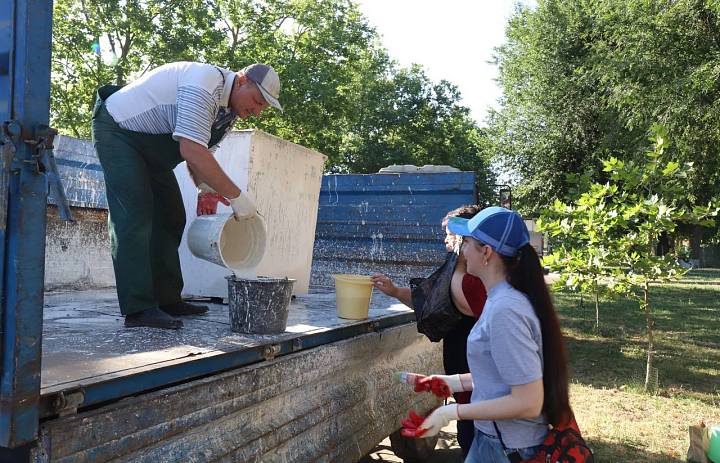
(222, 240)
(353, 294)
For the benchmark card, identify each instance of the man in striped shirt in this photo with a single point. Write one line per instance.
(177, 112)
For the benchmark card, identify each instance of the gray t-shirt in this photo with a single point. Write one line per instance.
(504, 350)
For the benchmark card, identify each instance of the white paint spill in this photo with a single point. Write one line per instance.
(377, 251)
(332, 187)
(363, 207)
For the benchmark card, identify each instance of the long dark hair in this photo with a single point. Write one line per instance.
(526, 275)
(466, 212)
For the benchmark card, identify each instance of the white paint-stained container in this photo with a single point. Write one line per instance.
(259, 305)
(284, 180)
(236, 244)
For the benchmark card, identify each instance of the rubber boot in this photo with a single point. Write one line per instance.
(184, 308)
(153, 318)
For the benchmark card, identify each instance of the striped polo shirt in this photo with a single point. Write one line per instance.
(184, 99)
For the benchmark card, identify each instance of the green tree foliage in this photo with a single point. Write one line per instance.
(582, 80)
(581, 234)
(139, 34)
(342, 94)
(605, 237)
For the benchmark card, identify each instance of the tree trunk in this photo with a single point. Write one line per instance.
(695, 242)
(649, 320)
(663, 244)
(597, 311)
(597, 305)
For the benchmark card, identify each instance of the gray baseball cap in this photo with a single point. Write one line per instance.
(267, 81)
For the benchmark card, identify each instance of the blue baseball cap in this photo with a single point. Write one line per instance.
(502, 229)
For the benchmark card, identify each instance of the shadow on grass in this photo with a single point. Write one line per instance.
(687, 340)
(447, 450)
(607, 452)
(385, 453)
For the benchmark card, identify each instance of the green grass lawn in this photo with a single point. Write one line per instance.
(703, 274)
(620, 421)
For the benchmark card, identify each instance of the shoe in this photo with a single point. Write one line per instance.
(181, 308)
(153, 318)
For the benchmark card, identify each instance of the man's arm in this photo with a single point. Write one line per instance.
(197, 180)
(204, 168)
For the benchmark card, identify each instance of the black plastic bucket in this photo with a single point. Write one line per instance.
(259, 306)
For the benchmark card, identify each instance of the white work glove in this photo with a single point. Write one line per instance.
(442, 386)
(205, 188)
(416, 426)
(243, 207)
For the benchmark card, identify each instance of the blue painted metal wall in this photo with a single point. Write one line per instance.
(25, 41)
(81, 173)
(388, 223)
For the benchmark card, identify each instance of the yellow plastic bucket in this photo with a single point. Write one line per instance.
(353, 294)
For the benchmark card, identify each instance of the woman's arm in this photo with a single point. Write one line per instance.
(524, 401)
(456, 290)
(466, 382)
(385, 284)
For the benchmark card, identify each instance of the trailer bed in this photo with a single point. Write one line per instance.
(322, 391)
(87, 349)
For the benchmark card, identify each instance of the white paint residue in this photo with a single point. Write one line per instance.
(363, 207)
(377, 251)
(332, 187)
(245, 273)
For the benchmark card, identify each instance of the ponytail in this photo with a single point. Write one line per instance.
(526, 275)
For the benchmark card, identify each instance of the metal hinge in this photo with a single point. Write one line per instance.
(67, 403)
(271, 351)
(43, 161)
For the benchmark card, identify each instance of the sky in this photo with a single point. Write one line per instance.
(452, 39)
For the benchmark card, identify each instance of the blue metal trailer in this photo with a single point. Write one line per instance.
(151, 395)
(76, 386)
(25, 38)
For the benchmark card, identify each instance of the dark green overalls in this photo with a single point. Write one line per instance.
(147, 215)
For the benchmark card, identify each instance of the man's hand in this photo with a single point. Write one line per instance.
(243, 207)
(207, 203)
(416, 426)
(442, 386)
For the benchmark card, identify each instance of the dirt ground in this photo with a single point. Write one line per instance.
(447, 449)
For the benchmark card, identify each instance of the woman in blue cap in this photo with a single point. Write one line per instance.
(516, 353)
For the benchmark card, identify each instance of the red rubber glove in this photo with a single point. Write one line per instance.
(411, 425)
(441, 385)
(416, 426)
(207, 203)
